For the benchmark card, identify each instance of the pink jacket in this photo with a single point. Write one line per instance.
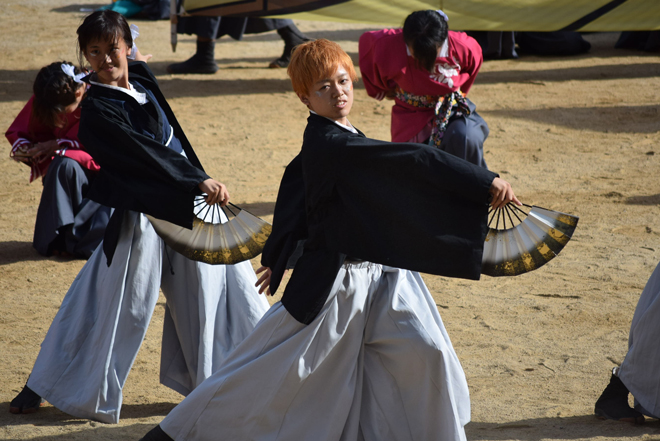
(26, 130)
(386, 64)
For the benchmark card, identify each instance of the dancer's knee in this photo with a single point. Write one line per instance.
(65, 168)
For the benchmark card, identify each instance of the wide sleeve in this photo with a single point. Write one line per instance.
(141, 68)
(18, 132)
(412, 207)
(113, 143)
(371, 64)
(289, 223)
(470, 55)
(137, 173)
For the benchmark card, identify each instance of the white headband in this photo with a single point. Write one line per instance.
(70, 71)
(135, 33)
(443, 15)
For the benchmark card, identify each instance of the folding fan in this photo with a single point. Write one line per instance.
(519, 241)
(220, 235)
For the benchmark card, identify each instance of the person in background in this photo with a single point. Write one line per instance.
(648, 41)
(44, 136)
(639, 374)
(209, 29)
(428, 71)
(502, 45)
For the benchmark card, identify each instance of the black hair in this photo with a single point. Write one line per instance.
(53, 91)
(425, 32)
(105, 25)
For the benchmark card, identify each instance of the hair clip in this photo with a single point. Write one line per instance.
(71, 71)
(443, 15)
(135, 33)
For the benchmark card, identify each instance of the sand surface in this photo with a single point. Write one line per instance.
(578, 134)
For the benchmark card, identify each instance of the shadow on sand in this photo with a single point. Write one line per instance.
(565, 428)
(14, 251)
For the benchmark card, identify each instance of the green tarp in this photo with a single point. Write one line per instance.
(477, 15)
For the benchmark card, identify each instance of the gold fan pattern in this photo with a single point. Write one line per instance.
(215, 238)
(528, 245)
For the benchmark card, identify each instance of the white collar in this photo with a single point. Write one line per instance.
(349, 127)
(443, 53)
(141, 98)
(444, 49)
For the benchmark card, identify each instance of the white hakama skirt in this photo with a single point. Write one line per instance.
(376, 364)
(640, 370)
(93, 341)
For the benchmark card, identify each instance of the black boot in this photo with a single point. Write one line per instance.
(509, 46)
(156, 434)
(203, 62)
(613, 403)
(27, 401)
(500, 46)
(292, 37)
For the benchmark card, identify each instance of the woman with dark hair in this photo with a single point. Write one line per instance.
(147, 167)
(44, 136)
(427, 70)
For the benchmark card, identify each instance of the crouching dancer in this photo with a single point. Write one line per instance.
(356, 349)
(639, 373)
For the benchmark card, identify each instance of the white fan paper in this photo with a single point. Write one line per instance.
(224, 235)
(527, 244)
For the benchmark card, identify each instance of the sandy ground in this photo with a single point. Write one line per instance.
(577, 134)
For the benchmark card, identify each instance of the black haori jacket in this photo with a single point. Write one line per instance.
(138, 171)
(404, 205)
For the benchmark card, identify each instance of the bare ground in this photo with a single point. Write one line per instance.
(579, 135)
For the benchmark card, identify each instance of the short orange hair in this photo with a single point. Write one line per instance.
(314, 60)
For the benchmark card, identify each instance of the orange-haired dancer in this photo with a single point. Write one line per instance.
(356, 349)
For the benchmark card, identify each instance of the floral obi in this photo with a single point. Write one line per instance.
(442, 105)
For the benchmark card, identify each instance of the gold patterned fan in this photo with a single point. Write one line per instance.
(220, 235)
(520, 241)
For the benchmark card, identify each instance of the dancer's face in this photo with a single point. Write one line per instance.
(331, 97)
(109, 60)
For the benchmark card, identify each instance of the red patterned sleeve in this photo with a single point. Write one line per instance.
(371, 67)
(470, 57)
(18, 132)
(71, 147)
